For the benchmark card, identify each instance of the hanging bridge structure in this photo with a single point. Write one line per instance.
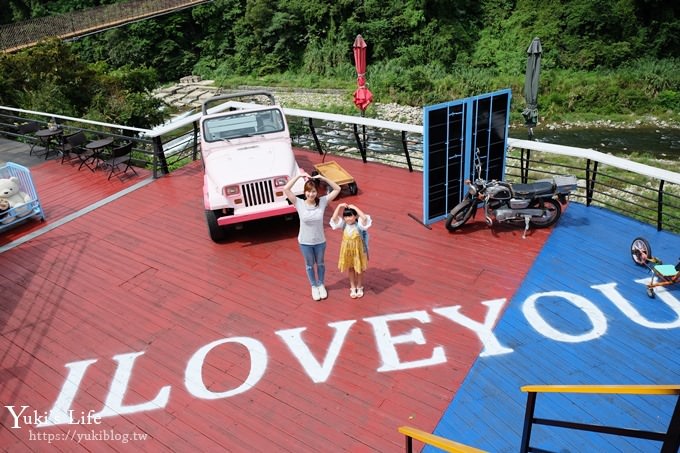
(76, 24)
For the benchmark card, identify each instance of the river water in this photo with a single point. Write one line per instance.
(664, 143)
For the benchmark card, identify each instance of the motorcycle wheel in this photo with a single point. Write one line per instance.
(553, 211)
(460, 214)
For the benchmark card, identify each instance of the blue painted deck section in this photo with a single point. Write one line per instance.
(587, 252)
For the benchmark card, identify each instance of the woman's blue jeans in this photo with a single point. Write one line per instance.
(314, 255)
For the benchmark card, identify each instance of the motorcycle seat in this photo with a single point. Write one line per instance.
(533, 189)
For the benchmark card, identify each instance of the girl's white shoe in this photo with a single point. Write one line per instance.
(360, 292)
(353, 293)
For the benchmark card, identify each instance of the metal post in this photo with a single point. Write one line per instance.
(405, 144)
(659, 208)
(159, 156)
(195, 150)
(524, 165)
(528, 420)
(359, 144)
(590, 181)
(363, 130)
(672, 442)
(316, 139)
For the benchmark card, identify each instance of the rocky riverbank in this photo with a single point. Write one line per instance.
(192, 91)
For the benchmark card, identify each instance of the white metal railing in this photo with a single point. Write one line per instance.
(48, 116)
(331, 117)
(661, 200)
(607, 159)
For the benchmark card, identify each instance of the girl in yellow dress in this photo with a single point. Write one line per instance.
(354, 246)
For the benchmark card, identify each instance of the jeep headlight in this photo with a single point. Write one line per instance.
(280, 181)
(231, 190)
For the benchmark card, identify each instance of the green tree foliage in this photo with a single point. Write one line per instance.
(660, 23)
(50, 78)
(619, 54)
(14, 11)
(18, 10)
(264, 36)
(166, 44)
(46, 76)
(602, 33)
(215, 50)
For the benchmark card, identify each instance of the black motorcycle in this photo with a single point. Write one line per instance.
(537, 204)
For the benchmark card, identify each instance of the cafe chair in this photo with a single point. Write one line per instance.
(73, 146)
(119, 157)
(27, 130)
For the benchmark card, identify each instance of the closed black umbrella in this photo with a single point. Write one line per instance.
(530, 113)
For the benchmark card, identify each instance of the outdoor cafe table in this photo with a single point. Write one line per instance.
(49, 138)
(96, 149)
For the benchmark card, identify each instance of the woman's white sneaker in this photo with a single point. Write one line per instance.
(323, 294)
(315, 293)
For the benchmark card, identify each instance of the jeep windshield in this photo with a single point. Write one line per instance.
(246, 124)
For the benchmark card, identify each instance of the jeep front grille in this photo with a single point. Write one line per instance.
(257, 193)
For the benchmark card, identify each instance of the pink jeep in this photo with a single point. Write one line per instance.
(247, 158)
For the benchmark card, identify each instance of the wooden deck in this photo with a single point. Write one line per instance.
(581, 316)
(64, 191)
(129, 311)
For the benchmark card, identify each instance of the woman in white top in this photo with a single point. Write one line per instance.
(311, 236)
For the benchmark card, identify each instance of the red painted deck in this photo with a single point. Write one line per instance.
(63, 190)
(140, 275)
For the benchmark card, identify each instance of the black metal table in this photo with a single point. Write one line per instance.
(95, 155)
(49, 138)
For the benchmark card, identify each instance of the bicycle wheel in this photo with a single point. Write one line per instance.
(640, 251)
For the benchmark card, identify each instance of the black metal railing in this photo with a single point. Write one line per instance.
(670, 439)
(143, 154)
(631, 189)
(650, 200)
(394, 147)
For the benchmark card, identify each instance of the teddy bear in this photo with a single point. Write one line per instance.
(11, 193)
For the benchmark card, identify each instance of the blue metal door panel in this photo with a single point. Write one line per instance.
(453, 131)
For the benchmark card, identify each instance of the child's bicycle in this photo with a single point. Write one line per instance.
(662, 274)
